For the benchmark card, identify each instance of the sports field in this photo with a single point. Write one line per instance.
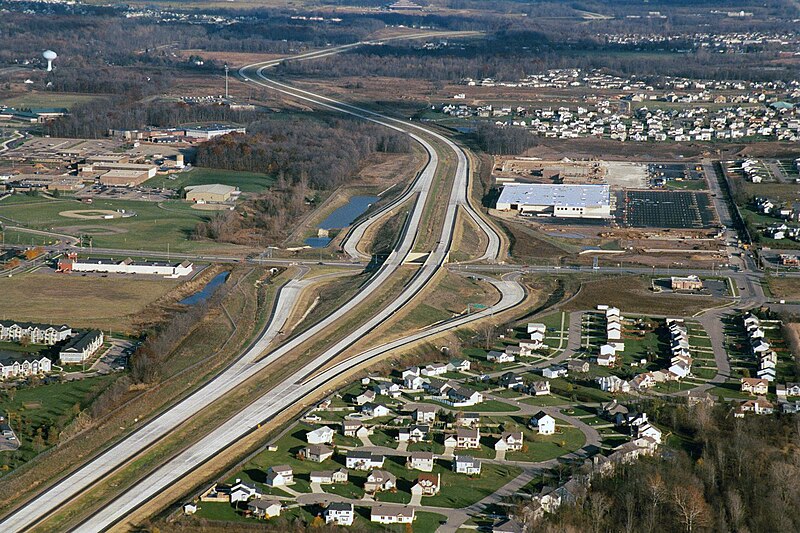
(155, 226)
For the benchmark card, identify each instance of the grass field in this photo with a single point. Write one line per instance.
(246, 181)
(92, 301)
(44, 407)
(155, 226)
(49, 99)
(784, 288)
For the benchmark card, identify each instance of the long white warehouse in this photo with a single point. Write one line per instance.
(563, 200)
(71, 263)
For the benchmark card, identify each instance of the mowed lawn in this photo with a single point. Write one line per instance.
(246, 181)
(156, 226)
(93, 301)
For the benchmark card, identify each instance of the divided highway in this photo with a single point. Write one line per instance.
(305, 381)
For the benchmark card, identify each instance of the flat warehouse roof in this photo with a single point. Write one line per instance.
(563, 194)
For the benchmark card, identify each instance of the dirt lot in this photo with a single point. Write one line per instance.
(115, 303)
(784, 288)
(632, 295)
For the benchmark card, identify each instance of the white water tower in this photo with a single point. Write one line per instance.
(49, 55)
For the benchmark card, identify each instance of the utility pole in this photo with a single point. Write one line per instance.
(226, 81)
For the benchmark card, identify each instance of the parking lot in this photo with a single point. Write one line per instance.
(667, 209)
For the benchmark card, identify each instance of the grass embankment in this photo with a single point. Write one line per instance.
(250, 182)
(203, 352)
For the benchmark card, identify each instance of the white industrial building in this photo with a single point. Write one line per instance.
(213, 130)
(128, 266)
(562, 200)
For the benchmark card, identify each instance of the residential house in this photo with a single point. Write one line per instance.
(450, 441)
(33, 333)
(427, 484)
(459, 365)
(412, 382)
(350, 427)
(436, 387)
(759, 406)
(499, 357)
(421, 461)
(392, 514)
(339, 514)
(509, 441)
(280, 476)
(435, 369)
(363, 460)
(425, 414)
(643, 382)
(463, 397)
(508, 525)
(613, 384)
(317, 453)
(554, 372)
(380, 480)
(755, 386)
(323, 435)
(545, 423)
(329, 477)
(535, 327)
(242, 492)
(539, 388)
(263, 508)
(793, 389)
(468, 439)
(387, 388)
(465, 464)
(375, 410)
(511, 380)
(468, 419)
(216, 493)
(366, 397)
(578, 365)
(27, 365)
(415, 433)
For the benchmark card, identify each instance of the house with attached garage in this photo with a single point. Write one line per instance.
(420, 461)
(317, 453)
(509, 441)
(578, 365)
(392, 514)
(468, 439)
(457, 364)
(387, 388)
(323, 435)
(553, 372)
(329, 477)
(425, 414)
(435, 369)
(436, 386)
(263, 508)
(380, 480)
(793, 389)
(280, 476)
(363, 460)
(510, 380)
(339, 514)
(465, 464)
(427, 485)
(545, 423)
(242, 492)
(539, 388)
(463, 397)
(366, 397)
(536, 327)
(415, 433)
(375, 410)
(350, 427)
(500, 357)
(468, 419)
(755, 386)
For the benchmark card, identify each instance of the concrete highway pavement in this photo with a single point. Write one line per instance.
(304, 382)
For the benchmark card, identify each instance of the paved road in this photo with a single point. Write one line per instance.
(302, 383)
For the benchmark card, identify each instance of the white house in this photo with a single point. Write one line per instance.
(363, 460)
(464, 464)
(280, 476)
(509, 441)
(499, 357)
(545, 423)
(323, 435)
(242, 492)
(339, 514)
(392, 514)
(263, 508)
(421, 461)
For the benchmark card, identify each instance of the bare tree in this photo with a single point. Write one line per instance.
(691, 506)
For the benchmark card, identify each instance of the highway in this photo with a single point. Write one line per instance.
(302, 382)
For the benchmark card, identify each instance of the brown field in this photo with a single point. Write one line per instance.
(112, 303)
(784, 288)
(234, 59)
(632, 295)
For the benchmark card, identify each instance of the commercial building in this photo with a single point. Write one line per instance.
(124, 178)
(147, 168)
(688, 283)
(562, 200)
(71, 263)
(215, 193)
(82, 347)
(213, 130)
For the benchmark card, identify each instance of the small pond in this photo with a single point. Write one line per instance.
(206, 292)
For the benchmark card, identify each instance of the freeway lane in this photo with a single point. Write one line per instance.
(55, 497)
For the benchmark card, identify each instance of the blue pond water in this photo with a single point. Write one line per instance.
(342, 217)
(206, 292)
